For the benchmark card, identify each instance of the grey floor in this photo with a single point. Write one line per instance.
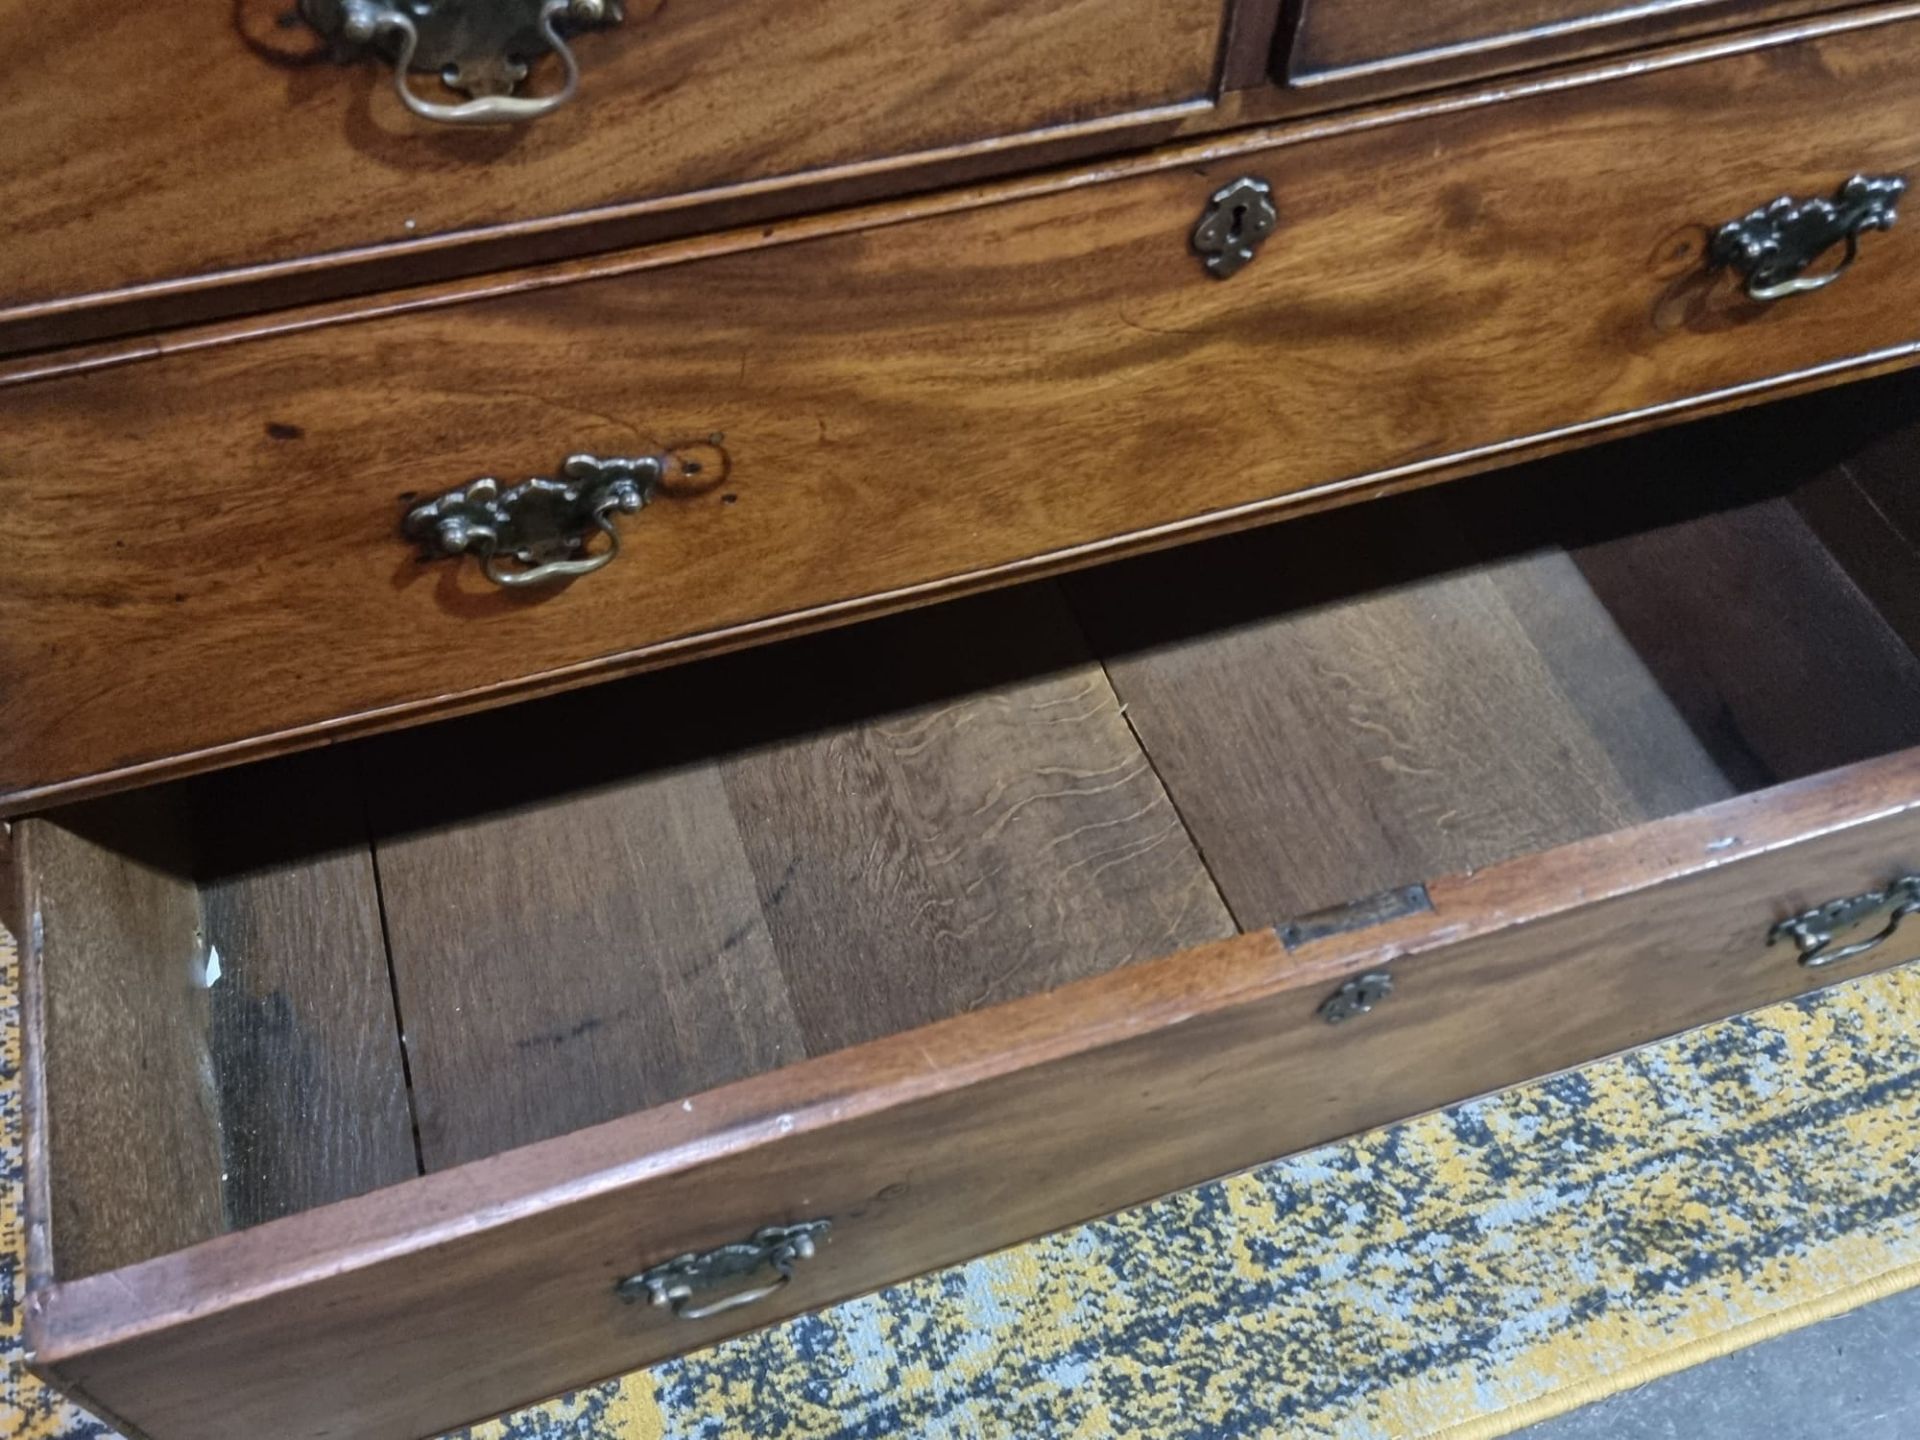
(1856, 1377)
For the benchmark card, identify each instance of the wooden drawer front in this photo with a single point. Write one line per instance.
(898, 403)
(381, 1317)
(1344, 39)
(224, 111)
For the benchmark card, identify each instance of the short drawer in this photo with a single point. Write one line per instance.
(316, 169)
(833, 962)
(1336, 40)
(876, 409)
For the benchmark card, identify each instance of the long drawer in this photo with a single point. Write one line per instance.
(798, 972)
(876, 408)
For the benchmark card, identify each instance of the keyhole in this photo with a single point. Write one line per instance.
(1239, 222)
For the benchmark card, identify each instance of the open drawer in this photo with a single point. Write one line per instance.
(861, 931)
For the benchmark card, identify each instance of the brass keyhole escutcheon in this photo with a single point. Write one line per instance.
(1237, 218)
(1357, 997)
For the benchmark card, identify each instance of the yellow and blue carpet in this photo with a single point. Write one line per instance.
(1459, 1275)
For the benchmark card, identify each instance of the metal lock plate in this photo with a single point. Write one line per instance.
(1357, 997)
(1237, 219)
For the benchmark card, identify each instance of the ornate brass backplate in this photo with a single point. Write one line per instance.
(678, 1281)
(481, 48)
(542, 524)
(1814, 931)
(1774, 246)
(1238, 217)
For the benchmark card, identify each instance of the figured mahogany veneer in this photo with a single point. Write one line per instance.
(1345, 40)
(911, 400)
(690, 119)
(163, 154)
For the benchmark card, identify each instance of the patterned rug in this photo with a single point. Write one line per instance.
(1460, 1275)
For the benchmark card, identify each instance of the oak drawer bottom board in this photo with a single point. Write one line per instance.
(845, 930)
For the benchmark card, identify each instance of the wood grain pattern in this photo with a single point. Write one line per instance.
(731, 867)
(1345, 39)
(130, 1117)
(1741, 616)
(1866, 508)
(408, 257)
(575, 959)
(984, 391)
(1514, 62)
(986, 828)
(230, 112)
(1355, 703)
(301, 1031)
(1860, 537)
(1648, 645)
(218, 1044)
(1266, 118)
(965, 1136)
(1887, 467)
(1253, 29)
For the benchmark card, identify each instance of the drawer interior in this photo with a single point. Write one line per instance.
(315, 976)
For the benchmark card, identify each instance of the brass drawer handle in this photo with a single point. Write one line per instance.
(1774, 246)
(677, 1281)
(479, 47)
(1813, 931)
(535, 533)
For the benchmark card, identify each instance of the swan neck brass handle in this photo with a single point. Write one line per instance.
(1773, 247)
(537, 533)
(479, 47)
(1814, 931)
(676, 1283)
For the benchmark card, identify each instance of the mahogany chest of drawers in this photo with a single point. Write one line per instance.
(363, 369)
